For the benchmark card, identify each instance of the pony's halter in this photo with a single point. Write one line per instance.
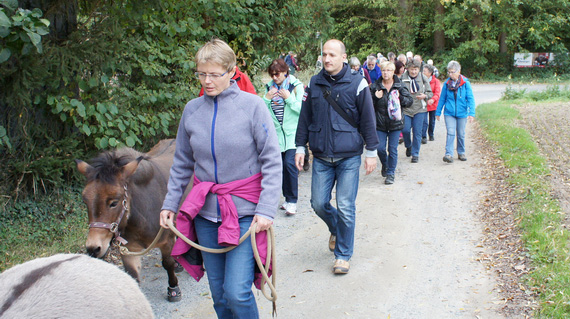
(114, 227)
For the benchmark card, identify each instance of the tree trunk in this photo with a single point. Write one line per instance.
(407, 41)
(477, 22)
(439, 34)
(503, 42)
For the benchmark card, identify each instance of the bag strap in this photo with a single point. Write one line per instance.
(337, 108)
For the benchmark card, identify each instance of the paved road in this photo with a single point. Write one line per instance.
(485, 93)
(415, 249)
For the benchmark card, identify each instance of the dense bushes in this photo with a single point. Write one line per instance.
(117, 74)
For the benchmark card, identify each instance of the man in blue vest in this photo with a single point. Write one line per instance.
(337, 119)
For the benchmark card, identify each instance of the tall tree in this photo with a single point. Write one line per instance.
(439, 28)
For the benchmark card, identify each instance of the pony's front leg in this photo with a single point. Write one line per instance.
(133, 266)
(169, 264)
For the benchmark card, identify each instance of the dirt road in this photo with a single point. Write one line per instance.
(415, 249)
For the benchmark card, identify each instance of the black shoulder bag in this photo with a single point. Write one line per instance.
(337, 108)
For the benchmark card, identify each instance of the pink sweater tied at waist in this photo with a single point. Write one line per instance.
(229, 231)
(248, 189)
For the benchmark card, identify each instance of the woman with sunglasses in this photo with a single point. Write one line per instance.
(284, 96)
(227, 147)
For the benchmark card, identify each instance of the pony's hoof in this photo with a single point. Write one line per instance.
(174, 294)
(178, 267)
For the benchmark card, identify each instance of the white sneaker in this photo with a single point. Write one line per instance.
(284, 206)
(291, 209)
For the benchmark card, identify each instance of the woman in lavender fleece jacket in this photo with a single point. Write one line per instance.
(224, 136)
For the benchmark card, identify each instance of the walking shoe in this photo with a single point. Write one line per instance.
(462, 157)
(424, 140)
(384, 169)
(415, 159)
(332, 242)
(448, 159)
(431, 138)
(284, 206)
(389, 180)
(408, 151)
(341, 266)
(291, 209)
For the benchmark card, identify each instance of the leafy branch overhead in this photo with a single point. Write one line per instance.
(108, 73)
(21, 31)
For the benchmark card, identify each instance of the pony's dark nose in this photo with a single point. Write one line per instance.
(93, 251)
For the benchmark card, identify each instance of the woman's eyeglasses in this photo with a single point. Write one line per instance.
(213, 76)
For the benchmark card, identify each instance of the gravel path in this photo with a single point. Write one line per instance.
(416, 248)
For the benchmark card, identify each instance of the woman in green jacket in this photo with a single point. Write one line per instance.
(284, 96)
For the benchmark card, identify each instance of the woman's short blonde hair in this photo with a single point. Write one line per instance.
(218, 52)
(387, 64)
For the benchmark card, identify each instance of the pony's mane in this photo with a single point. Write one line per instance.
(107, 165)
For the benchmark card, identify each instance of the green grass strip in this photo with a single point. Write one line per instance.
(41, 227)
(541, 217)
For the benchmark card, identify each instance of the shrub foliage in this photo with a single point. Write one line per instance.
(92, 75)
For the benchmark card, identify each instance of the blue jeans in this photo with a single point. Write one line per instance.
(455, 126)
(340, 220)
(230, 274)
(429, 124)
(290, 176)
(390, 159)
(416, 124)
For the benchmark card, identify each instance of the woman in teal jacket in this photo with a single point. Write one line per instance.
(457, 103)
(284, 97)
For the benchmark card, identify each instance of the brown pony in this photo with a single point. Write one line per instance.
(124, 194)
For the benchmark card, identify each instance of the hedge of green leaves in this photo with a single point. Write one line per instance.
(120, 74)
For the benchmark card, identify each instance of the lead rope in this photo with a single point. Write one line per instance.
(263, 269)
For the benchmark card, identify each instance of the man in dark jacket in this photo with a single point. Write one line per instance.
(337, 145)
(291, 62)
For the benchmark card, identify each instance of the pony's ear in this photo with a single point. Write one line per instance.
(131, 167)
(83, 167)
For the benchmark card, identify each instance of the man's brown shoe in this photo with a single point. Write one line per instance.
(341, 266)
(332, 242)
